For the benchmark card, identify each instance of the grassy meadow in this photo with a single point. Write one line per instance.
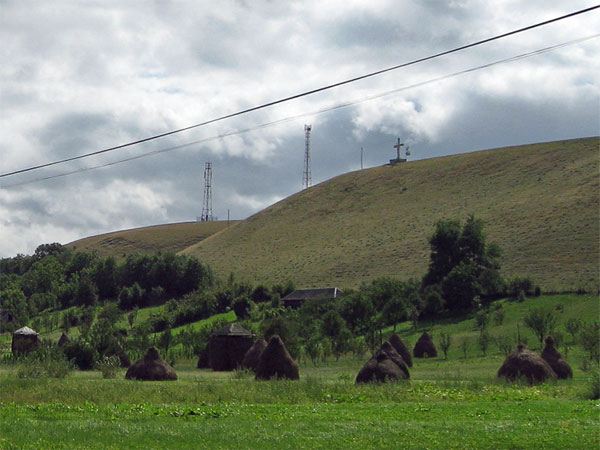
(166, 238)
(539, 202)
(453, 403)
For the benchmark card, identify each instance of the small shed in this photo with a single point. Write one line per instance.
(24, 340)
(299, 296)
(228, 346)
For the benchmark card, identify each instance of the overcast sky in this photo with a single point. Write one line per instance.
(82, 76)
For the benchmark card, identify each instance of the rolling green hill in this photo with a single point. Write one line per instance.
(539, 202)
(166, 238)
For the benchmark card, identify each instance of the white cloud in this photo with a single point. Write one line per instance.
(81, 78)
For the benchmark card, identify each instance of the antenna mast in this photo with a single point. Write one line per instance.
(207, 204)
(306, 179)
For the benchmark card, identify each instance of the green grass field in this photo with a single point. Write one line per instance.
(166, 238)
(453, 403)
(539, 202)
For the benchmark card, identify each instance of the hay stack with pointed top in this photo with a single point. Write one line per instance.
(401, 349)
(252, 356)
(151, 368)
(24, 340)
(554, 359)
(523, 363)
(386, 364)
(203, 360)
(64, 339)
(276, 362)
(424, 347)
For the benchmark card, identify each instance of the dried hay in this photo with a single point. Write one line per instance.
(24, 340)
(555, 360)
(523, 363)
(385, 365)
(228, 347)
(401, 349)
(203, 360)
(424, 347)
(151, 368)
(252, 356)
(276, 362)
(64, 339)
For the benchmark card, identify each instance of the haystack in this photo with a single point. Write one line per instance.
(276, 362)
(203, 360)
(252, 356)
(385, 365)
(424, 347)
(523, 363)
(228, 347)
(554, 359)
(64, 339)
(151, 367)
(24, 340)
(401, 349)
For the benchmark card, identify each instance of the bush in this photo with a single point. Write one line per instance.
(516, 285)
(47, 361)
(593, 392)
(109, 366)
(81, 354)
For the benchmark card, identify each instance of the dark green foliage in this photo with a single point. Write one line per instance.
(241, 307)
(463, 264)
(81, 354)
(518, 285)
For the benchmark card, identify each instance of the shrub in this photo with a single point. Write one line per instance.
(444, 342)
(81, 354)
(541, 321)
(109, 366)
(593, 390)
(505, 344)
(483, 341)
(46, 361)
(590, 340)
(516, 285)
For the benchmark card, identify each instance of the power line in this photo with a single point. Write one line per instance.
(308, 114)
(306, 93)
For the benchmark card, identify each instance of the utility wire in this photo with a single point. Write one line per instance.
(299, 116)
(306, 93)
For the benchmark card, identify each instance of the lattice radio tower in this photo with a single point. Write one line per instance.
(207, 204)
(306, 178)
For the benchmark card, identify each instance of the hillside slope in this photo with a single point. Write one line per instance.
(539, 202)
(167, 238)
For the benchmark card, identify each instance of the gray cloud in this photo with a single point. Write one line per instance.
(77, 79)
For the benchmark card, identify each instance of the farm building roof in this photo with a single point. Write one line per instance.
(297, 297)
(232, 330)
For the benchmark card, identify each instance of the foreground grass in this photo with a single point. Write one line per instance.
(205, 409)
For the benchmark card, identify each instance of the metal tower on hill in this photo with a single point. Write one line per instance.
(306, 178)
(207, 204)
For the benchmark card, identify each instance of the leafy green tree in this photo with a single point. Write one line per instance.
(445, 341)
(106, 278)
(590, 340)
(541, 321)
(241, 307)
(462, 263)
(334, 328)
(573, 325)
(358, 312)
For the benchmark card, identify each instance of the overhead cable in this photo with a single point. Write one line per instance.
(306, 93)
(303, 115)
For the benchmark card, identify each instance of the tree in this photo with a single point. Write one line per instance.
(573, 325)
(445, 341)
(462, 263)
(334, 328)
(590, 340)
(541, 321)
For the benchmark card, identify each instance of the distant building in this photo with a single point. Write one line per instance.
(296, 298)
